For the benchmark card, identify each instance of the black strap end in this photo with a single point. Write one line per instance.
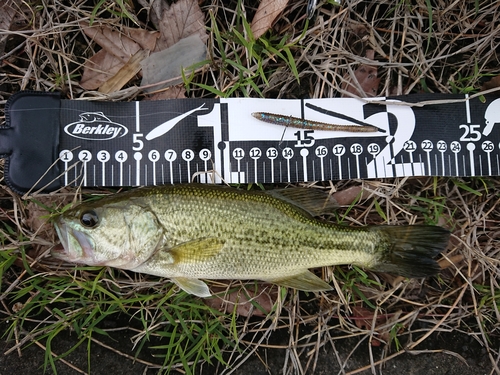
(29, 141)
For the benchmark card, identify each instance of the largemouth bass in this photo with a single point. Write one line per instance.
(192, 232)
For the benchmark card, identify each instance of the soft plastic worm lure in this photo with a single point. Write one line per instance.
(295, 122)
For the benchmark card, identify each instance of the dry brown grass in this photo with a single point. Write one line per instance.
(446, 48)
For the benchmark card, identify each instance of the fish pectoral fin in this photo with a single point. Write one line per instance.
(192, 286)
(197, 250)
(306, 281)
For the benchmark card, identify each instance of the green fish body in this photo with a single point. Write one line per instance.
(192, 232)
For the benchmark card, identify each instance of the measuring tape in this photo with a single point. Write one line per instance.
(86, 143)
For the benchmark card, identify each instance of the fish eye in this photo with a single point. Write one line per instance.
(89, 219)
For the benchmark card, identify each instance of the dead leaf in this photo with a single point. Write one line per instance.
(154, 10)
(164, 68)
(98, 69)
(491, 84)
(178, 21)
(451, 261)
(365, 82)
(7, 13)
(363, 318)
(118, 48)
(173, 92)
(36, 215)
(125, 74)
(348, 196)
(267, 12)
(263, 295)
(36, 220)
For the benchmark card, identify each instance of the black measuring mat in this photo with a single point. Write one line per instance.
(50, 142)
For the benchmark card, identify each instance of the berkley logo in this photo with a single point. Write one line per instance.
(95, 126)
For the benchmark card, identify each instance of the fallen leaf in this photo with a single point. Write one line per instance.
(491, 84)
(35, 219)
(117, 49)
(267, 12)
(178, 21)
(451, 261)
(348, 196)
(173, 92)
(164, 68)
(98, 69)
(364, 82)
(36, 215)
(154, 10)
(7, 13)
(262, 295)
(363, 318)
(125, 74)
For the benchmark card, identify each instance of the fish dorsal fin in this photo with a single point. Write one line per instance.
(196, 250)
(192, 286)
(314, 201)
(305, 280)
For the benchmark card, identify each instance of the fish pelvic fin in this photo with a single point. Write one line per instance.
(409, 250)
(192, 286)
(306, 281)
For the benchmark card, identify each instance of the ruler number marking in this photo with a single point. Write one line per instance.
(170, 155)
(103, 156)
(409, 146)
(255, 153)
(338, 150)
(287, 153)
(442, 146)
(238, 153)
(487, 146)
(137, 141)
(373, 149)
(304, 138)
(321, 151)
(272, 153)
(205, 154)
(427, 145)
(121, 156)
(84, 156)
(356, 149)
(153, 155)
(470, 132)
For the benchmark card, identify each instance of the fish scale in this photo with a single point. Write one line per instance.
(301, 244)
(192, 232)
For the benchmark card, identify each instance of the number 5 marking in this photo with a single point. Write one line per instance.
(138, 143)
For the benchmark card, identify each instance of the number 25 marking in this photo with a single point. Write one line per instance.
(470, 132)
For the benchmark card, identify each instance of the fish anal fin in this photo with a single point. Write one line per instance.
(196, 250)
(192, 286)
(306, 281)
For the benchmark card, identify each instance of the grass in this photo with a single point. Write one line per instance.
(418, 48)
(241, 59)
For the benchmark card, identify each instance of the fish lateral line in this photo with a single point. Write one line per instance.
(296, 122)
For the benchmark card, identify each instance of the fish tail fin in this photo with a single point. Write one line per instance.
(410, 250)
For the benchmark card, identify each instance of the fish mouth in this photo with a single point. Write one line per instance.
(74, 246)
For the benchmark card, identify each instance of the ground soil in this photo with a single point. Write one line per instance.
(443, 353)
